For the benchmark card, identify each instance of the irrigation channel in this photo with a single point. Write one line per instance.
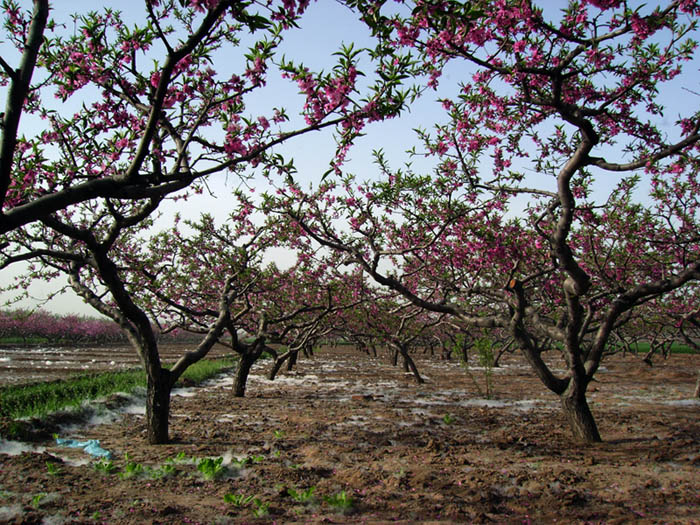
(33, 363)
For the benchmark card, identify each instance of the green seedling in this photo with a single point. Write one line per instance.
(162, 471)
(304, 496)
(279, 434)
(131, 469)
(400, 474)
(181, 457)
(238, 500)
(261, 509)
(448, 419)
(240, 463)
(52, 468)
(211, 468)
(276, 453)
(342, 501)
(36, 500)
(105, 466)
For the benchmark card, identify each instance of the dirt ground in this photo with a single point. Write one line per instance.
(351, 439)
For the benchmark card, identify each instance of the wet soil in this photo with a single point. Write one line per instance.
(31, 363)
(348, 438)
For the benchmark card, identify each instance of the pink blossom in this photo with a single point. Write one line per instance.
(519, 46)
(155, 79)
(604, 4)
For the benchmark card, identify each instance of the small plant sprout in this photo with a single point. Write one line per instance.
(181, 457)
(163, 471)
(448, 419)
(240, 463)
(36, 500)
(342, 501)
(261, 508)
(211, 468)
(53, 469)
(131, 469)
(303, 496)
(104, 466)
(279, 434)
(238, 500)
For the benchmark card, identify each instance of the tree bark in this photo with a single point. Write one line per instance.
(405, 363)
(697, 387)
(292, 360)
(580, 417)
(410, 365)
(158, 408)
(278, 365)
(244, 365)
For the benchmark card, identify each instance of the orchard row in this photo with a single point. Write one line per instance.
(37, 326)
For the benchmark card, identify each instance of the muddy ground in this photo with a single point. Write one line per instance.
(377, 448)
(42, 362)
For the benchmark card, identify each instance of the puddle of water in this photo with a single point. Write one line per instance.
(683, 402)
(11, 512)
(183, 392)
(15, 448)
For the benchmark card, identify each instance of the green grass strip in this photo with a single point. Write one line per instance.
(39, 399)
(23, 340)
(644, 347)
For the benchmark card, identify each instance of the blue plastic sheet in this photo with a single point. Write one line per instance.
(91, 446)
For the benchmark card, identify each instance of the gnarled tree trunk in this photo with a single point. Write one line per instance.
(292, 360)
(158, 407)
(279, 361)
(244, 365)
(409, 365)
(579, 415)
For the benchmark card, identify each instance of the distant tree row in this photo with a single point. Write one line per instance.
(31, 325)
(35, 325)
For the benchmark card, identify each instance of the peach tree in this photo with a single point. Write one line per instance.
(558, 205)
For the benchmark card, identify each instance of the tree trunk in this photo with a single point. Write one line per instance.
(158, 408)
(244, 365)
(408, 362)
(446, 352)
(465, 353)
(405, 362)
(292, 360)
(277, 365)
(697, 387)
(395, 358)
(581, 421)
(497, 361)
